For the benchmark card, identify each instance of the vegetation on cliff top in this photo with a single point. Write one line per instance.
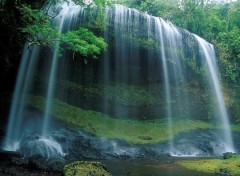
(216, 21)
(41, 32)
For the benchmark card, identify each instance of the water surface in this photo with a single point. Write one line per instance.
(167, 166)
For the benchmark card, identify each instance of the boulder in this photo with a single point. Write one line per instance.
(223, 172)
(8, 155)
(56, 165)
(85, 168)
(229, 155)
(37, 162)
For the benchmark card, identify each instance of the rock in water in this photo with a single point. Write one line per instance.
(37, 162)
(229, 155)
(46, 147)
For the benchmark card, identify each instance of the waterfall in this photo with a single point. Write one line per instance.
(160, 36)
(210, 56)
(24, 81)
(65, 19)
(144, 51)
(171, 52)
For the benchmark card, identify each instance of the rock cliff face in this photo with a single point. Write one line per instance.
(150, 66)
(150, 69)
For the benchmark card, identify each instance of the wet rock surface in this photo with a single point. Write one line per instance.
(79, 146)
(229, 155)
(199, 142)
(7, 155)
(12, 163)
(223, 172)
(76, 145)
(4, 109)
(136, 110)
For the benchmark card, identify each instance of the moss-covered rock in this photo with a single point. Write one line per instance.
(134, 131)
(120, 101)
(230, 155)
(123, 101)
(121, 93)
(230, 167)
(232, 101)
(85, 168)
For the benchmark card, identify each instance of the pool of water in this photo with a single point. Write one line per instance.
(164, 167)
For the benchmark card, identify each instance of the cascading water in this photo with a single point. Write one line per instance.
(143, 51)
(210, 56)
(166, 81)
(64, 20)
(24, 81)
(130, 25)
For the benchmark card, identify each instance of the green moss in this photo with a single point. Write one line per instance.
(142, 42)
(235, 127)
(232, 100)
(230, 155)
(96, 123)
(121, 93)
(213, 166)
(130, 94)
(85, 168)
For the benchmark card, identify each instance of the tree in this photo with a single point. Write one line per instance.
(38, 27)
(40, 32)
(84, 42)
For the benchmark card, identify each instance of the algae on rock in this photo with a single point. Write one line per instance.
(214, 166)
(85, 168)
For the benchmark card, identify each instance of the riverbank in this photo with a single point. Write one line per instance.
(13, 164)
(225, 167)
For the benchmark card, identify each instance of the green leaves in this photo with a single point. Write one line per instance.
(230, 54)
(84, 42)
(37, 27)
(40, 32)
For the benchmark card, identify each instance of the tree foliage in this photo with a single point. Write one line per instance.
(39, 31)
(37, 27)
(84, 42)
(214, 20)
